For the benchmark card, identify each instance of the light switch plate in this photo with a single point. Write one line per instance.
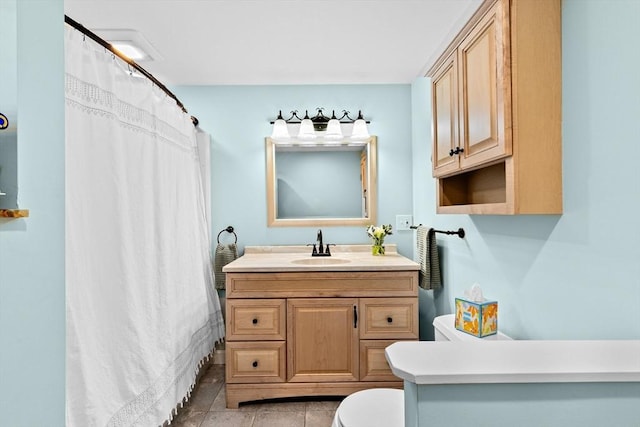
(403, 222)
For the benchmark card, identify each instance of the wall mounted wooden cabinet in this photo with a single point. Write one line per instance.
(496, 102)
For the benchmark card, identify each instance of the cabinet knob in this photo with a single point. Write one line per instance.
(255, 364)
(451, 152)
(255, 321)
(389, 319)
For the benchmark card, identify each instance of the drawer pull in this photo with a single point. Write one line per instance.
(255, 364)
(255, 321)
(389, 319)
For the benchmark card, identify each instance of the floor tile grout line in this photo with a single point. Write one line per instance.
(212, 377)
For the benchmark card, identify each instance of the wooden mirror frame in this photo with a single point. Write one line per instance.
(371, 201)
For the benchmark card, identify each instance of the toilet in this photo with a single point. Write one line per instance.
(384, 407)
(374, 407)
(445, 330)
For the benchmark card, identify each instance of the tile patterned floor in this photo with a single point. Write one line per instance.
(207, 408)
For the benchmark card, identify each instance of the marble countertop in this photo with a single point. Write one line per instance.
(448, 362)
(298, 258)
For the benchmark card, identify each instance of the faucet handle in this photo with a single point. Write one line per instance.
(327, 251)
(314, 251)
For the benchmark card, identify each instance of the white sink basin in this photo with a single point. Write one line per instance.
(321, 261)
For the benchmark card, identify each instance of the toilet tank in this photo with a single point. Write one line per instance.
(445, 330)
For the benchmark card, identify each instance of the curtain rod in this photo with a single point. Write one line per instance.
(102, 42)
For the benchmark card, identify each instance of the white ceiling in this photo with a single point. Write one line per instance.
(221, 42)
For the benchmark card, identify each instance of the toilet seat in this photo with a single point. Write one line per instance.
(376, 407)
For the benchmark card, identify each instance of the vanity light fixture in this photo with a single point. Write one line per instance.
(320, 127)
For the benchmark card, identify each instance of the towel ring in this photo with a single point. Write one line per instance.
(230, 230)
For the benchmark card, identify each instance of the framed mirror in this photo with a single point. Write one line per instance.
(321, 184)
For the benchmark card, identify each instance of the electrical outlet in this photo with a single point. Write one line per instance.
(403, 222)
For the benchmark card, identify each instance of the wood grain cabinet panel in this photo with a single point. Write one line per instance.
(263, 319)
(373, 361)
(496, 104)
(389, 318)
(322, 284)
(445, 117)
(485, 123)
(251, 362)
(323, 339)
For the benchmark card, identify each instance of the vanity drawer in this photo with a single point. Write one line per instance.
(255, 362)
(262, 320)
(373, 362)
(391, 318)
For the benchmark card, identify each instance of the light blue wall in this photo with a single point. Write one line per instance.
(32, 313)
(574, 276)
(237, 117)
(423, 195)
(8, 106)
(523, 405)
(570, 276)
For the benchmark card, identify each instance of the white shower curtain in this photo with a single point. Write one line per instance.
(142, 313)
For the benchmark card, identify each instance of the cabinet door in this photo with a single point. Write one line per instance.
(322, 340)
(445, 117)
(485, 96)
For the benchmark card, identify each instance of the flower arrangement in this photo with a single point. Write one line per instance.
(378, 234)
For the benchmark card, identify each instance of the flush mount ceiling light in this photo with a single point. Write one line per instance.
(130, 43)
(319, 128)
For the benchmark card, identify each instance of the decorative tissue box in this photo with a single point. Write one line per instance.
(479, 319)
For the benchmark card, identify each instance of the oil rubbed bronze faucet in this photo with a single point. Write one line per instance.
(318, 247)
(319, 241)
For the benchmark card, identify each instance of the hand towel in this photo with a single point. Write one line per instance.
(428, 258)
(225, 253)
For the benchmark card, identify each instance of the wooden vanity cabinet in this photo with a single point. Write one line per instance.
(315, 333)
(496, 106)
